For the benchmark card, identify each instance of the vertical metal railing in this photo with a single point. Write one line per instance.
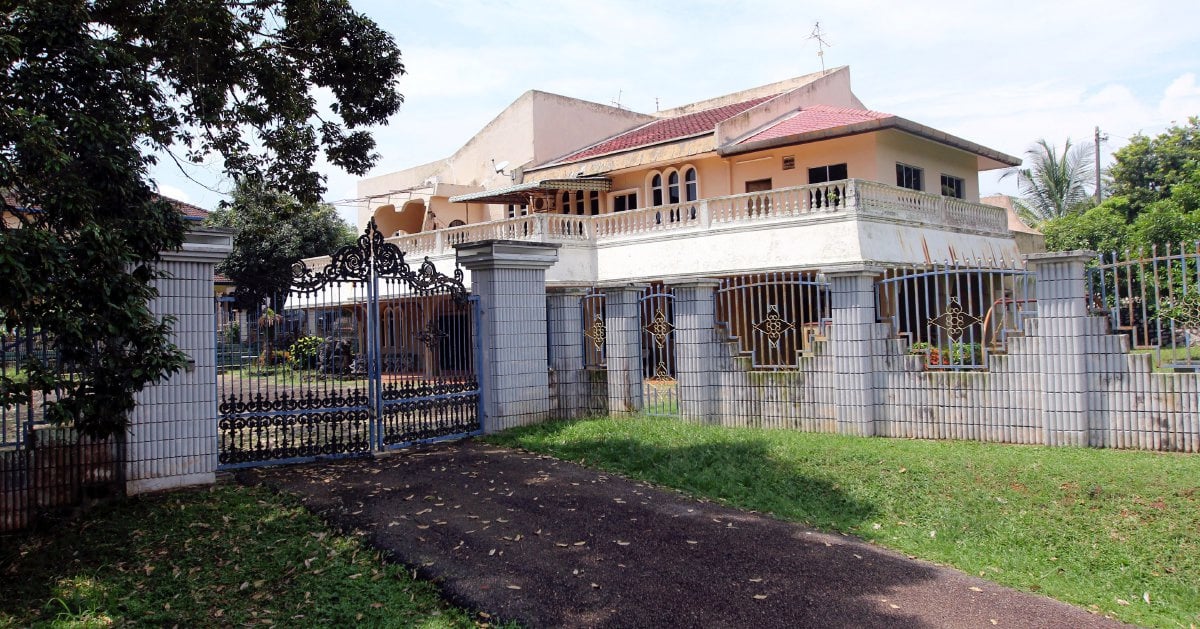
(1153, 297)
(775, 317)
(956, 313)
(660, 389)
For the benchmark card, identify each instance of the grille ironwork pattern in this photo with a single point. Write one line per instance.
(361, 353)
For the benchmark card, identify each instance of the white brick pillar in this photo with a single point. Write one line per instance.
(564, 309)
(1061, 326)
(695, 347)
(510, 279)
(172, 436)
(852, 302)
(623, 348)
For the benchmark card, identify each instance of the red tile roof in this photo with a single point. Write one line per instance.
(665, 130)
(189, 211)
(815, 118)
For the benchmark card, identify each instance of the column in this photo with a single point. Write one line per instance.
(1061, 326)
(695, 348)
(172, 436)
(564, 310)
(623, 348)
(510, 279)
(852, 301)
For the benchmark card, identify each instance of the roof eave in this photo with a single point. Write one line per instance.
(989, 158)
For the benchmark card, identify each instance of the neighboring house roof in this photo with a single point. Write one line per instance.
(190, 212)
(815, 118)
(665, 130)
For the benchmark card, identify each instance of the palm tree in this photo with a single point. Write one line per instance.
(1052, 185)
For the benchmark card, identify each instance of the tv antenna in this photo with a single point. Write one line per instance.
(617, 101)
(821, 44)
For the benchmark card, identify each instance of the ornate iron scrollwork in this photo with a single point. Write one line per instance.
(596, 332)
(431, 335)
(954, 320)
(659, 328)
(773, 326)
(371, 254)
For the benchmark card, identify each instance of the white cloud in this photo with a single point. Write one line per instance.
(173, 192)
(1181, 100)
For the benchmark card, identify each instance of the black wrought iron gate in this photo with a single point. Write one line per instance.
(361, 354)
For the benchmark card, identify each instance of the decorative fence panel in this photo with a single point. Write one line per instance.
(363, 354)
(660, 388)
(1153, 298)
(774, 317)
(956, 314)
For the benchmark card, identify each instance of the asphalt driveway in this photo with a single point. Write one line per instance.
(548, 543)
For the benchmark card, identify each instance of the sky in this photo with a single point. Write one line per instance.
(1002, 74)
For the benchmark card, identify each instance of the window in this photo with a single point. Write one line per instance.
(624, 201)
(564, 203)
(656, 190)
(517, 210)
(758, 185)
(691, 189)
(952, 186)
(821, 174)
(789, 162)
(579, 202)
(673, 187)
(457, 223)
(910, 177)
(594, 202)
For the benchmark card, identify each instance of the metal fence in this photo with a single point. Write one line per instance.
(660, 388)
(1152, 297)
(957, 313)
(774, 317)
(43, 466)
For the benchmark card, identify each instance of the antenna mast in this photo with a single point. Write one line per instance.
(821, 44)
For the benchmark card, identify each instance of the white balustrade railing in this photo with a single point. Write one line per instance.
(864, 197)
(936, 210)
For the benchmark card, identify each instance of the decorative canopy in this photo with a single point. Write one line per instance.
(530, 192)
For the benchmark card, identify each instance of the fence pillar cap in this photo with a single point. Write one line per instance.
(575, 291)
(618, 285)
(1078, 255)
(850, 269)
(507, 254)
(692, 282)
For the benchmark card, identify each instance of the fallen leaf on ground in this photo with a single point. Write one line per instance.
(975, 589)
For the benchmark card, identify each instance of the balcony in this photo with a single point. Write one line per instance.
(799, 227)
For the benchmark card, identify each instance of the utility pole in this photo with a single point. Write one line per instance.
(1099, 193)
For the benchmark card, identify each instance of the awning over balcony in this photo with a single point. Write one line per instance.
(530, 191)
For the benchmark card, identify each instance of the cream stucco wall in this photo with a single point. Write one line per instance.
(936, 159)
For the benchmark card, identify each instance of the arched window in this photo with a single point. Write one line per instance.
(457, 223)
(579, 202)
(691, 188)
(594, 202)
(565, 203)
(656, 190)
(673, 187)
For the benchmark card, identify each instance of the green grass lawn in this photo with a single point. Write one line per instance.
(1117, 532)
(216, 557)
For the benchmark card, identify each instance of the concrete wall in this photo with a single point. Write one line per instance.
(172, 438)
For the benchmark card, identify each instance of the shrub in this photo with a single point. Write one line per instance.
(304, 352)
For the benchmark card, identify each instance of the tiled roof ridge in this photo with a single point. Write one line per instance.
(664, 130)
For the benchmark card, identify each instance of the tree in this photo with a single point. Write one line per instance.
(272, 230)
(1147, 169)
(1053, 184)
(94, 90)
(1101, 228)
